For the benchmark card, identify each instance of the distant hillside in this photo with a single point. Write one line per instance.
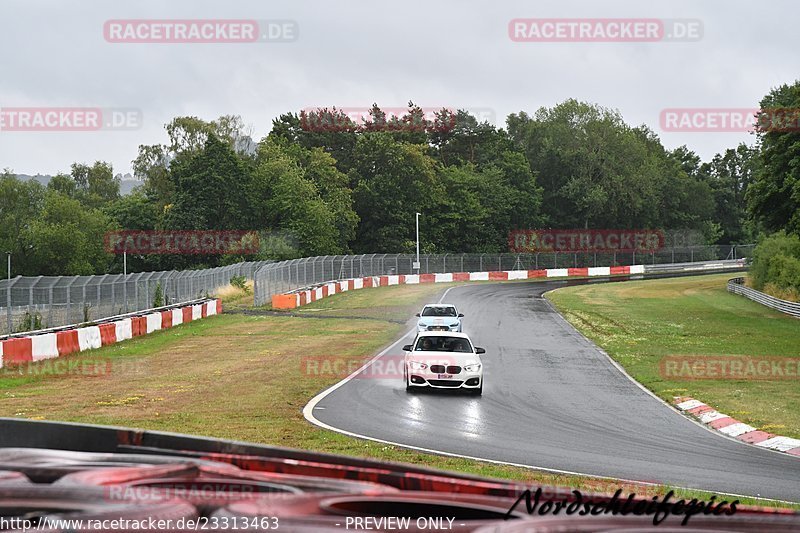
(126, 184)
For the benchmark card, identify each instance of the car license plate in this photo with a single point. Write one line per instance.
(445, 376)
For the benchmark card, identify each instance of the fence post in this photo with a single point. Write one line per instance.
(8, 305)
(30, 295)
(50, 306)
(98, 294)
(113, 299)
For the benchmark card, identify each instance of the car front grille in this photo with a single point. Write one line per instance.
(441, 369)
(438, 328)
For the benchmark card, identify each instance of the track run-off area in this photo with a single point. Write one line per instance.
(552, 400)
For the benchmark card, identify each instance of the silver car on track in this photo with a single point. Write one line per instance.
(439, 317)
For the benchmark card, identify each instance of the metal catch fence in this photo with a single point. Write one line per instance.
(32, 303)
(284, 276)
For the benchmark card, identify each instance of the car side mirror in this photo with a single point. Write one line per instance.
(460, 315)
(417, 314)
(407, 348)
(479, 350)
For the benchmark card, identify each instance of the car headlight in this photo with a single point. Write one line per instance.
(421, 324)
(472, 368)
(416, 365)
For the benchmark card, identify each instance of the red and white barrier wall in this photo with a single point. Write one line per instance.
(296, 299)
(34, 348)
(733, 428)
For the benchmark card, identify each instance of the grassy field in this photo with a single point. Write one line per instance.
(241, 376)
(638, 323)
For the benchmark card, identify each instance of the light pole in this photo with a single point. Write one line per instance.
(125, 277)
(416, 264)
(8, 295)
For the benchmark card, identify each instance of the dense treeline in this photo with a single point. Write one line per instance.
(774, 197)
(321, 184)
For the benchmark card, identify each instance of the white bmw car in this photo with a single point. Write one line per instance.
(443, 360)
(439, 317)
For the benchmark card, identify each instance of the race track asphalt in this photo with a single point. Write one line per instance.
(551, 400)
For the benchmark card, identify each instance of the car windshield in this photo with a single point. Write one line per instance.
(442, 344)
(439, 311)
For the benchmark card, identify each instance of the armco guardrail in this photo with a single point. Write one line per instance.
(692, 267)
(737, 286)
(38, 302)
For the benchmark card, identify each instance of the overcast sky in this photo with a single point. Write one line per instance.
(351, 53)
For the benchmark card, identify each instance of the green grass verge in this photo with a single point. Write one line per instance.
(640, 322)
(243, 377)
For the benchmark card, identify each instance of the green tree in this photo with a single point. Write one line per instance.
(151, 166)
(598, 172)
(20, 206)
(729, 175)
(332, 186)
(210, 190)
(776, 265)
(136, 212)
(774, 195)
(67, 239)
(394, 181)
(95, 185)
(330, 130)
(63, 184)
(285, 199)
(458, 138)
